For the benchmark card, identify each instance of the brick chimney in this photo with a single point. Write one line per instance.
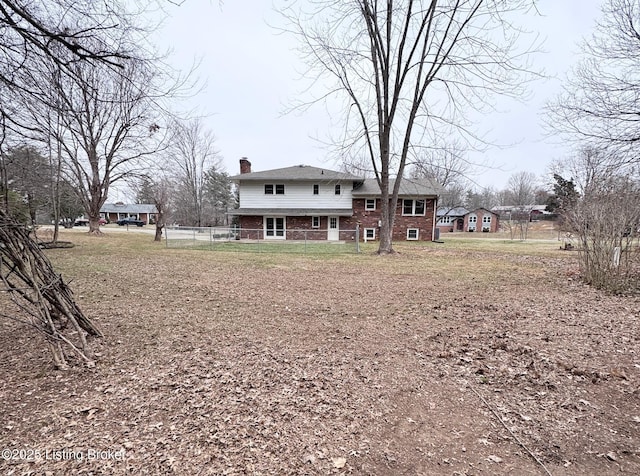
(245, 166)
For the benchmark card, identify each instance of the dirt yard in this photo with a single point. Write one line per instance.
(446, 359)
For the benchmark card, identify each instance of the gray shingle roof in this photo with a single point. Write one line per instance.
(128, 208)
(408, 188)
(297, 172)
(452, 212)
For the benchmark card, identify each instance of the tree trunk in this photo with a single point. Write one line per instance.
(94, 226)
(158, 236)
(386, 229)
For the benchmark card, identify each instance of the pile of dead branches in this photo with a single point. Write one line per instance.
(43, 301)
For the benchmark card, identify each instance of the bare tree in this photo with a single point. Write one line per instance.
(606, 220)
(62, 32)
(109, 125)
(447, 165)
(408, 66)
(30, 29)
(601, 100)
(521, 189)
(158, 191)
(193, 154)
(485, 198)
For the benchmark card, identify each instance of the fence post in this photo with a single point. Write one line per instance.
(305, 241)
(357, 237)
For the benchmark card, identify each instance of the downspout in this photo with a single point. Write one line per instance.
(434, 218)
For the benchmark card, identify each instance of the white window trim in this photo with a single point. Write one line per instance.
(413, 207)
(366, 200)
(417, 230)
(274, 188)
(274, 237)
(365, 234)
(472, 223)
(313, 219)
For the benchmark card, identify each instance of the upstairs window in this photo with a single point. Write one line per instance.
(413, 207)
(316, 189)
(269, 189)
(370, 204)
(337, 189)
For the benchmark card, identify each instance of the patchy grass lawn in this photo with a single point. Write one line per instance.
(467, 357)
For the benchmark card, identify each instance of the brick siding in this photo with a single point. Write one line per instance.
(296, 226)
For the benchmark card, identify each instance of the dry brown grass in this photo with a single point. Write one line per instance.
(244, 363)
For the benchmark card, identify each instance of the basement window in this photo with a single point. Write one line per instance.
(412, 233)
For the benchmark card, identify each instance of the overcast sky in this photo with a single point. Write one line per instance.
(252, 74)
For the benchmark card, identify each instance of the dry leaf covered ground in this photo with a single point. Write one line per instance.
(460, 358)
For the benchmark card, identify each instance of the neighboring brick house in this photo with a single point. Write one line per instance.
(451, 219)
(305, 202)
(481, 220)
(461, 219)
(140, 211)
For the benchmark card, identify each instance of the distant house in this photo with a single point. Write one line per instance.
(141, 211)
(532, 212)
(302, 201)
(482, 220)
(461, 219)
(451, 219)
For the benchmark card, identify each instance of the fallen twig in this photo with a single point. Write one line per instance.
(509, 430)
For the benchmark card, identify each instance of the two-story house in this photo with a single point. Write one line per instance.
(461, 219)
(305, 202)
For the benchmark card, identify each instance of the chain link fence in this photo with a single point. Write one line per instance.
(288, 240)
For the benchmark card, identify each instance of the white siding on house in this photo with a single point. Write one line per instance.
(296, 195)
